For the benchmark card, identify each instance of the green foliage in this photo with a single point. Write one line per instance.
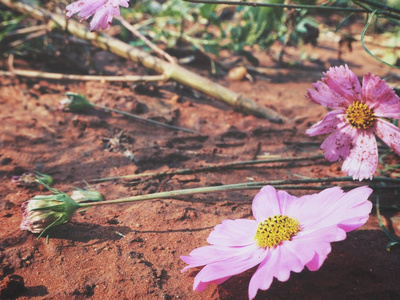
(8, 23)
(203, 27)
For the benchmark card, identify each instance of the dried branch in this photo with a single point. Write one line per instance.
(151, 45)
(217, 167)
(171, 71)
(61, 76)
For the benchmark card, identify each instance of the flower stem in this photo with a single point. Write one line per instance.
(210, 168)
(230, 187)
(143, 119)
(171, 194)
(281, 5)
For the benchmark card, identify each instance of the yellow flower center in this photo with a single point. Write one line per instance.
(360, 116)
(276, 229)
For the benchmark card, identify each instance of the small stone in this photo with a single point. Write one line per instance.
(238, 73)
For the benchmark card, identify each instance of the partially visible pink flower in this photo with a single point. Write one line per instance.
(358, 113)
(287, 234)
(103, 11)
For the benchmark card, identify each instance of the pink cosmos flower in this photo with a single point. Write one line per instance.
(103, 11)
(287, 234)
(358, 112)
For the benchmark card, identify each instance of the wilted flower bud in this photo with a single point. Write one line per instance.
(75, 103)
(44, 212)
(32, 179)
(80, 195)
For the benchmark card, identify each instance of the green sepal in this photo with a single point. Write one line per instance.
(77, 103)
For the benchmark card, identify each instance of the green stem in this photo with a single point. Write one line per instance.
(171, 194)
(386, 11)
(143, 119)
(365, 47)
(381, 6)
(210, 168)
(280, 5)
(230, 187)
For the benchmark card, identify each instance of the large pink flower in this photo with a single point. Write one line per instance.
(358, 112)
(103, 11)
(287, 234)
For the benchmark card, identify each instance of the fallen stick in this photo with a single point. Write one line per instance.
(61, 76)
(217, 167)
(170, 70)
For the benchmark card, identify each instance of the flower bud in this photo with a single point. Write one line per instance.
(80, 195)
(75, 103)
(44, 212)
(30, 179)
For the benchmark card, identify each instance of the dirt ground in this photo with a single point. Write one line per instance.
(132, 251)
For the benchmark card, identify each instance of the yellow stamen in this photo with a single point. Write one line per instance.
(276, 229)
(360, 116)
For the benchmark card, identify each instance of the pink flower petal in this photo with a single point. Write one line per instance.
(333, 207)
(316, 245)
(211, 254)
(84, 8)
(328, 124)
(285, 202)
(229, 267)
(201, 286)
(279, 263)
(389, 134)
(103, 11)
(265, 204)
(304, 248)
(337, 145)
(238, 232)
(324, 95)
(344, 82)
(363, 157)
(380, 97)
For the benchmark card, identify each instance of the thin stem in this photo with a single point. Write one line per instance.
(171, 194)
(389, 14)
(365, 47)
(280, 5)
(61, 76)
(137, 33)
(230, 187)
(143, 119)
(28, 37)
(210, 168)
(26, 30)
(381, 6)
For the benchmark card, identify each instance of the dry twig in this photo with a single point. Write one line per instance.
(151, 45)
(171, 71)
(61, 76)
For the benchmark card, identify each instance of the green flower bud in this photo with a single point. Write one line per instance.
(44, 212)
(80, 195)
(75, 103)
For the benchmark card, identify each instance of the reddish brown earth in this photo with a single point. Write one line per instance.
(132, 251)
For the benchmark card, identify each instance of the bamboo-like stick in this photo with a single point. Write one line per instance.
(170, 70)
(61, 76)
